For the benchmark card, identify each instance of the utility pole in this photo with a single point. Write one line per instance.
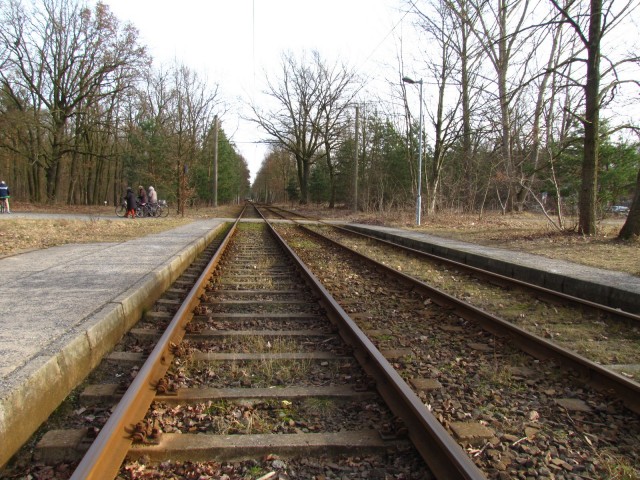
(215, 161)
(355, 162)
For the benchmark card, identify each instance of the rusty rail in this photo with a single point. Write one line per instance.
(108, 450)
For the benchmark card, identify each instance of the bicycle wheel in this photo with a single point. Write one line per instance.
(121, 210)
(163, 211)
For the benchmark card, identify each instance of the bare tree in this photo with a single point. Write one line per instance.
(297, 112)
(276, 172)
(498, 26)
(442, 26)
(68, 57)
(194, 104)
(590, 27)
(338, 88)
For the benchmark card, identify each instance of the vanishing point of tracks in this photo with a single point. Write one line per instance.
(260, 371)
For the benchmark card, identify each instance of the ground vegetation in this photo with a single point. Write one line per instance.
(524, 232)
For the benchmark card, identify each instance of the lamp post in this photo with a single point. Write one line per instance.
(419, 197)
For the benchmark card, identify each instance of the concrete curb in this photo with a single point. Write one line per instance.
(47, 381)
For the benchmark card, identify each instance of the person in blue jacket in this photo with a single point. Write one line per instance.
(4, 195)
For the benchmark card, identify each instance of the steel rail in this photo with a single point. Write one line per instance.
(440, 451)
(108, 450)
(496, 277)
(592, 373)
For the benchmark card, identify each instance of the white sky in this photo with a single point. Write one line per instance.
(234, 42)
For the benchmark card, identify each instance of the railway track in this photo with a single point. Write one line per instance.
(477, 349)
(259, 327)
(606, 336)
(260, 370)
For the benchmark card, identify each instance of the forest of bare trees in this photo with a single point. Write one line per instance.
(522, 106)
(84, 113)
(527, 106)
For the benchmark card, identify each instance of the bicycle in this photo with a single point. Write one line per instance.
(157, 210)
(3, 205)
(121, 210)
(160, 209)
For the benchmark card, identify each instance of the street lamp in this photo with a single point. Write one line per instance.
(419, 198)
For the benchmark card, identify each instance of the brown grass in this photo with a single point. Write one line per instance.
(22, 234)
(522, 232)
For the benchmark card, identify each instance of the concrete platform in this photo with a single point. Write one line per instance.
(614, 289)
(63, 308)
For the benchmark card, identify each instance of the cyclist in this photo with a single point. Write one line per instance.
(4, 195)
(131, 203)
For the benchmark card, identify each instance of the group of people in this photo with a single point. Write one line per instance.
(132, 200)
(4, 196)
(141, 199)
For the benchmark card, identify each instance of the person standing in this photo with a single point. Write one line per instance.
(152, 196)
(142, 196)
(130, 198)
(4, 195)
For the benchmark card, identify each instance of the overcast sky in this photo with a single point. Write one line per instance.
(234, 42)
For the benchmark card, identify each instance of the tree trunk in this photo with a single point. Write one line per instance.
(505, 117)
(304, 187)
(588, 189)
(466, 102)
(631, 227)
(332, 176)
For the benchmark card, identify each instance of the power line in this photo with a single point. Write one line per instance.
(375, 49)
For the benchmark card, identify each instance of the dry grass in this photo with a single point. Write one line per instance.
(522, 232)
(21, 234)
(18, 235)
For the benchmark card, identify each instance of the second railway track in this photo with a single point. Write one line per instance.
(480, 378)
(606, 336)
